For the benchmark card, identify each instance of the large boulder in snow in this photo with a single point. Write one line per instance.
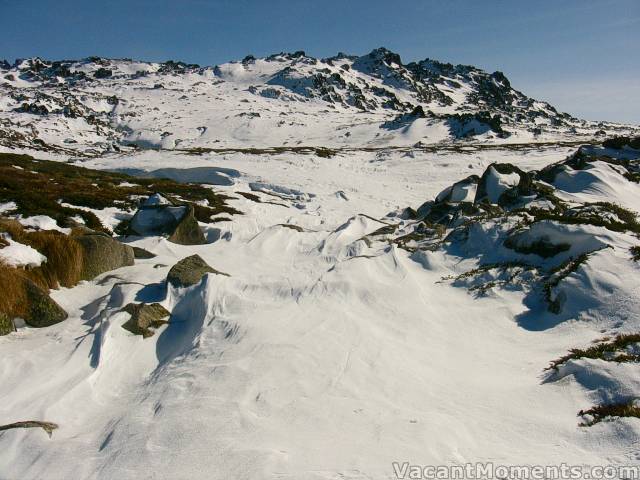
(187, 231)
(101, 253)
(496, 180)
(158, 216)
(190, 271)
(22, 298)
(145, 318)
(42, 311)
(461, 191)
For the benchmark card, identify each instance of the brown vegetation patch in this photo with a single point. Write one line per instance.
(38, 187)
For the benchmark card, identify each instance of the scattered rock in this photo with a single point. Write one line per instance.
(190, 271)
(145, 318)
(142, 253)
(101, 253)
(158, 216)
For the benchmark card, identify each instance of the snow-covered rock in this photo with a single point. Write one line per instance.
(16, 254)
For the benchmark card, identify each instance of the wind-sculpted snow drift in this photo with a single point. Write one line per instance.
(566, 236)
(396, 263)
(333, 349)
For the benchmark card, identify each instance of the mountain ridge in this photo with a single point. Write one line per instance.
(344, 100)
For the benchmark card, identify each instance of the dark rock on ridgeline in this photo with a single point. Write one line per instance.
(189, 271)
(618, 143)
(145, 318)
(103, 73)
(158, 216)
(32, 108)
(418, 112)
(101, 253)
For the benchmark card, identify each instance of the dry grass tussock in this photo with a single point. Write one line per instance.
(14, 300)
(64, 256)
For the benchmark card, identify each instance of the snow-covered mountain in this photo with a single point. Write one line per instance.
(98, 105)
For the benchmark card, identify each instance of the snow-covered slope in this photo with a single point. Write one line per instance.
(341, 346)
(97, 105)
(405, 268)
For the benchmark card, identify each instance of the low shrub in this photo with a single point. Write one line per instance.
(602, 412)
(604, 349)
(38, 187)
(64, 255)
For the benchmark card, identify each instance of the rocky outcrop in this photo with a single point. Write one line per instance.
(618, 143)
(101, 253)
(158, 216)
(190, 271)
(145, 318)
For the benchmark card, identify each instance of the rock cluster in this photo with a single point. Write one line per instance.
(158, 216)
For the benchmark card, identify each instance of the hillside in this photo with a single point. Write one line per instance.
(96, 105)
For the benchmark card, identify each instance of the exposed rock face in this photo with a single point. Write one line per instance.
(43, 311)
(158, 216)
(190, 271)
(101, 253)
(145, 318)
(6, 324)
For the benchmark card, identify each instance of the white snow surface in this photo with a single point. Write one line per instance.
(41, 222)
(318, 357)
(19, 255)
(7, 207)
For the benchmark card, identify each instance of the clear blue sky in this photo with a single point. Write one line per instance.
(581, 55)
